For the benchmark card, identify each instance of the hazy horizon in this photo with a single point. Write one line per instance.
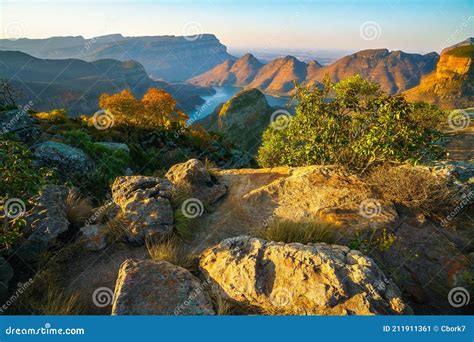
(336, 25)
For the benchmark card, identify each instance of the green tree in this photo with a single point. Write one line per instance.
(351, 123)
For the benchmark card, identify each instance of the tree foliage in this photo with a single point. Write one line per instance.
(157, 109)
(352, 123)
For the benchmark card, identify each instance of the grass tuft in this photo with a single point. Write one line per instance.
(303, 232)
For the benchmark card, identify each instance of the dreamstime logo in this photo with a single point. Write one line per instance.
(102, 297)
(458, 296)
(458, 119)
(192, 208)
(370, 30)
(280, 119)
(14, 31)
(280, 297)
(14, 208)
(103, 119)
(192, 31)
(370, 208)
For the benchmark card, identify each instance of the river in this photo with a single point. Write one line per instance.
(225, 93)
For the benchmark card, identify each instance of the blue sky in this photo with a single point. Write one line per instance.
(413, 26)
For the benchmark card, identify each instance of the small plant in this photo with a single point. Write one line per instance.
(78, 209)
(55, 116)
(302, 232)
(375, 239)
(171, 250)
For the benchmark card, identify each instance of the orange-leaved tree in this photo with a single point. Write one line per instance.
(157, 109)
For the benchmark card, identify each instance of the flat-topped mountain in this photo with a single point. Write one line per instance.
(170, 58)
(395, 71)
(76, 84)
(451, 85)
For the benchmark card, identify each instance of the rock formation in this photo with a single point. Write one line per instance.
(159, 288)
(297, 279)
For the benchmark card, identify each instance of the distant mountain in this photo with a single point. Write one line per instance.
(76, 85)
(278, 76)
(169, 58)
(242, 119)
(239, 73)
(395, 71)
(451, 85)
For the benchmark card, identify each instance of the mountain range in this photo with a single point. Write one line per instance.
(169, 58)
(76, 84)
(395, 71)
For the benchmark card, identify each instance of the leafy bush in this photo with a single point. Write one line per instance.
(109, 163)
(352, 123)
(54, 116)
(302, 232)
(20, 178)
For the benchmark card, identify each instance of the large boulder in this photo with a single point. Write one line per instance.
(48, 218)
(150, 287)
(145, 204)
(68, 160)
(316, 279)
(21, 124)
(194, 176)
(6, 274)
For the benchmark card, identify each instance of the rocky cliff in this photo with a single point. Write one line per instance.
(451, 85)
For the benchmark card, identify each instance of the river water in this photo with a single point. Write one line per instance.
(222, 95)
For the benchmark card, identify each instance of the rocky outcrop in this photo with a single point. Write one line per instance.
(451, 85)
(68, 160)
(19, 123)
(6, 274)
(193, 176)
(258, 196)
(94, 237)
(316, 279)
(246, 114)
(145, 204)
(159, 288)
(47, 218)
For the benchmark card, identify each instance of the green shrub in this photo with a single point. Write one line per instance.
(19, 178)
(302, 232)
(109, 163)
(352, 123)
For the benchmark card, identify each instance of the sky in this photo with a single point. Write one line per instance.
(411, 26)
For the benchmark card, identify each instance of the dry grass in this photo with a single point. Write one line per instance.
(302, 232)
(78, 208)
(60, 303)
(116, 228)
(413, 188)
(170, 250)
